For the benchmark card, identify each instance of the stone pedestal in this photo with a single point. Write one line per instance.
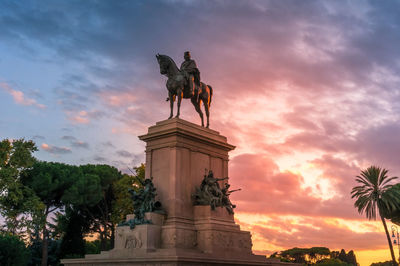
(217, 232)
(177, 155)
(144, 237)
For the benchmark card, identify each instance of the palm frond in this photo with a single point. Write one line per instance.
(388, 180)
(374, 194)
(382, 176)
(362, 179)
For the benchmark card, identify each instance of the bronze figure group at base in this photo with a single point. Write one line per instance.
(143, 201)
(210, 193)
(185, 83)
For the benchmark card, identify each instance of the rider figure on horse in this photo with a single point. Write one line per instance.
(192, 75)
(185, 83)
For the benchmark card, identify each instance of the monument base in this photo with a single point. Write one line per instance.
(218, 241)
(178, 155)
(177, 259)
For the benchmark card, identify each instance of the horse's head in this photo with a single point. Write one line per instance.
(164, 63)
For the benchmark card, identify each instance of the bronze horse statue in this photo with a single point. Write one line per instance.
(176, 84)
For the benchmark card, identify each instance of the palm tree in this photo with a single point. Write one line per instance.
(375, 196)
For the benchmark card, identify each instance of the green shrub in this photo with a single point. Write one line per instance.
(13, 251)
(92, 247)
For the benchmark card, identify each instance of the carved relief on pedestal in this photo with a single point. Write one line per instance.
(209, 237)
(224, 239)
(211, 241)
(168, 238)
(179, 237)
(190, 239)
(132, 242)
(244, 242)
(120, 232)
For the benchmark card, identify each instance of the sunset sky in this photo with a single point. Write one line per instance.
(308, 92)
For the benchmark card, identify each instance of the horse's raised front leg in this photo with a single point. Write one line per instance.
(171, 104)
(179, 103)
(196, 105)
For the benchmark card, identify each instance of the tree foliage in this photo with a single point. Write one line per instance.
(36, 246)
(49, 181)
(333, 262)
(16, 199)
(349, 258)
(13, 251)
(123, 204)
(74, 227)
(100, 212)
(102, 200)
(394, 215)
(374, 195)
(92, 247)
(316, 255)
(84, 199)
(305, 255)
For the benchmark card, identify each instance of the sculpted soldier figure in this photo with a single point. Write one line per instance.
(143, 201)
(210, 192)
(211, 188)
(225, 201)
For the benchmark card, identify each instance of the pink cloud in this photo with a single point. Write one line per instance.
(294, 120)
(340, 172)
(55, 149)
(80, 118)
(83, 117)
(266, 190)
(118, 99)
(20, 98)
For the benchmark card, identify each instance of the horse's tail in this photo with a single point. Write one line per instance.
(211, 94)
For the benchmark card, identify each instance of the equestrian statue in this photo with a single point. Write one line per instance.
(185, 83)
